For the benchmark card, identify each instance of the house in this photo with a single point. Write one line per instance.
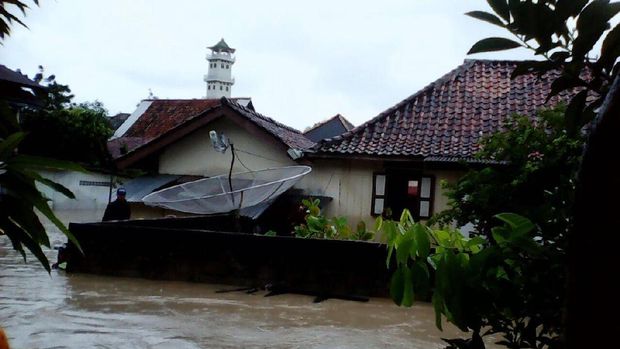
(18, 90)
(399, 158)
(395, 160)
(117, 120)
(332, 127)
(171, 137)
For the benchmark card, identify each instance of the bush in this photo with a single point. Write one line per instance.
(321, 227)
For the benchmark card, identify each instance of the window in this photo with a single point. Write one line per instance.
(378, 194)
(222, 65)
(220, 87)
(396, 190)
(226, 88)
(227, 66)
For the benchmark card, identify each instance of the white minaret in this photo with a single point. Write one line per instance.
(219, 79)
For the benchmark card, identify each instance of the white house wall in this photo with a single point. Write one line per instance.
(349, 183)
(194, 154)
(90, 189)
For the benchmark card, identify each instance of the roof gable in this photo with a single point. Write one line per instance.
(166, 121)
(449, 116)
(163, 115)
(334, 126)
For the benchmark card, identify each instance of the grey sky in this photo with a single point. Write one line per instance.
(300, 62)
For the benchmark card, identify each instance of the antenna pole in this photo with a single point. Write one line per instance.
(232, 163)
(236, 215)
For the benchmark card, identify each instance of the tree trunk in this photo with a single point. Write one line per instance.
(593, 305)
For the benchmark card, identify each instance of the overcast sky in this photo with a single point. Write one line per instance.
(299, 62)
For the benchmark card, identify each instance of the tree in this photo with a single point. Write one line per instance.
(20, 199)
(64, 130)
(564, 34)
(536, 180)
(7, 18)
(546, 28)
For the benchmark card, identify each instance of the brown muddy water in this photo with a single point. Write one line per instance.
(89, 311)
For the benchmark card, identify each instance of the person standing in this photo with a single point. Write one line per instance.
(119, 208)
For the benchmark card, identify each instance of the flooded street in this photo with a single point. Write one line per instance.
(90, 311)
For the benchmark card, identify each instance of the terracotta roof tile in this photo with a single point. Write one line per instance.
(288, 135)
(166, 115)
(447, 118)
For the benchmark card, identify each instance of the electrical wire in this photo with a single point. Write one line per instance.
(257, 155)
(241, 162)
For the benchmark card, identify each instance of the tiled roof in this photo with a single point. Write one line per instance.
(222, 46)
(117, 120)
(8, 75)
(120, 146)
(447, 118)
(288, 135)
(164, 116)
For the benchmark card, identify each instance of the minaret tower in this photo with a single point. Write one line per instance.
(219, 79)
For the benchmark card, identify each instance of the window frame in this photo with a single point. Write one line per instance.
(374, 195)
(419, 199)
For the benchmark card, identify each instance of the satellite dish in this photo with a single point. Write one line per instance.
(213, 195)
(221, 143)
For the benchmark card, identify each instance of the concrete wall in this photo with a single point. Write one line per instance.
(441, 201)
(91, 190)
(194, 155)
(349, 183)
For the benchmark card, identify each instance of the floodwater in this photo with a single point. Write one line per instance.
(90, 311)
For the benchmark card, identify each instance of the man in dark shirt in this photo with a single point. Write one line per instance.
(117, 209)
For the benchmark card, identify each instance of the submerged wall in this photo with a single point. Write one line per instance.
(182, 249)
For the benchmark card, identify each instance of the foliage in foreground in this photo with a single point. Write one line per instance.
(20, 200)
(320, 227)
(506, 285)
(537, 180)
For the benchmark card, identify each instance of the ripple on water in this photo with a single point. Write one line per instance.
(89, 311)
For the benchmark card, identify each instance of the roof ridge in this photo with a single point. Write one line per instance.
(234, 104)
(320, 123)
(347, 124)
(452, 73)
(489, 60)
(189, 99)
